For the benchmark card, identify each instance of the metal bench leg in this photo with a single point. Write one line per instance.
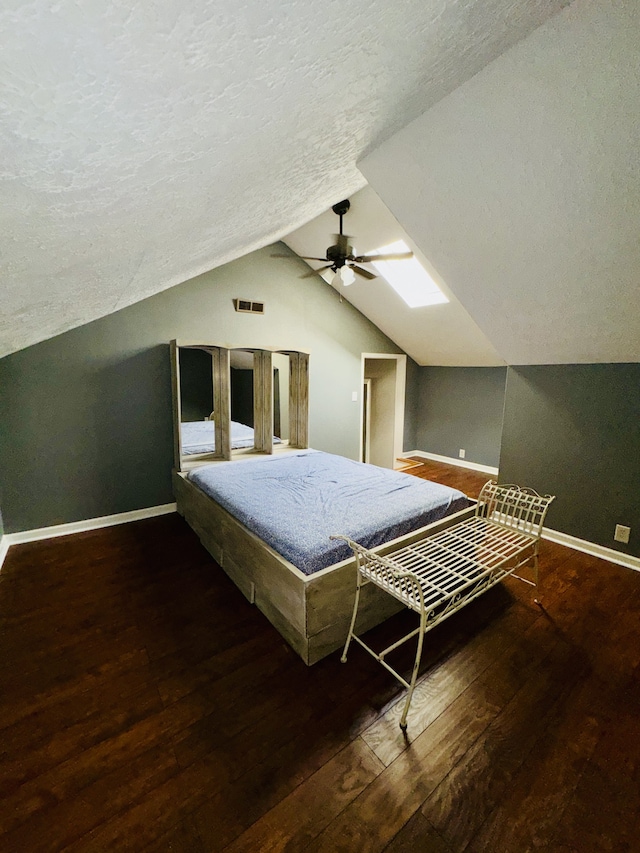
(356, 602)
(416, 667)
(536, 576)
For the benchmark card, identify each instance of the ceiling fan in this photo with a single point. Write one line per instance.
(340, 256)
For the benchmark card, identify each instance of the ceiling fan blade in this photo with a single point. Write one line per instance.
(316, 272)
(293, 257)
(395, 256)
(361, 271)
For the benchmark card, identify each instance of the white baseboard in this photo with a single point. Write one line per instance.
(10, 539)
(452, 460)
(609, 554)
(4, 548)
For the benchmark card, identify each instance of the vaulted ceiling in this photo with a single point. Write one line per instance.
(442, 334)
(143, 144)
(521, 188)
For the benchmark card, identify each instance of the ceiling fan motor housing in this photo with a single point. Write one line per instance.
(338, 255)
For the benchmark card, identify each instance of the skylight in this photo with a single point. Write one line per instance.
(408, 278)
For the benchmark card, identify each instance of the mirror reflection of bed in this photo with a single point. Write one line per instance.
(197, 434)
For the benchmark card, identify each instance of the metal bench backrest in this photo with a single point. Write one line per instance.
(514, 507)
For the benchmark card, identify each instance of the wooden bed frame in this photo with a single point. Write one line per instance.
(311, 612)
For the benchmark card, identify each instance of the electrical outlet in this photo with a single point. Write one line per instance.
(622, 534)
(461, 453)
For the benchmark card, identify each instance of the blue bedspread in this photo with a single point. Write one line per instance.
(296, 501)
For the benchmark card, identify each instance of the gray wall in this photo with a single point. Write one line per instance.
(574, 431)
(85, 418)
(411, 405)
(456, 407)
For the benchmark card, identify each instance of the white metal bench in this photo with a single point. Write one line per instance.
(440, 574)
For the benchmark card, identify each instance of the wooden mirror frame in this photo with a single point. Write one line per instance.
(262, 401)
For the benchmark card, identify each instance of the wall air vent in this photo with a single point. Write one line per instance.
(246, 306)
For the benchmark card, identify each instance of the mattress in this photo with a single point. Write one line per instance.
(294, 503)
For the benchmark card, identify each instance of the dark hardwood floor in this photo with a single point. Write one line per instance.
(468, 481)
(145, 705)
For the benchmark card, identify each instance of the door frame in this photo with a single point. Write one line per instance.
(366, 420)
(400, 392)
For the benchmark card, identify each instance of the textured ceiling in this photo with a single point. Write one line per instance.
(143, 144)
(522, 187)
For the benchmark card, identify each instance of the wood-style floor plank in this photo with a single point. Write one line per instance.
(440, 686)
(545, 783)
(64, 820)
(399, 789)
(182, 838)
(487, 773)
(418, 835)
(146, 706)
(467, 480)
(301, 816)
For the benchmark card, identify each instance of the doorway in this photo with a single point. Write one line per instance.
(382, 413)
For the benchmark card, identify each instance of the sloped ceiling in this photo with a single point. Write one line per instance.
(442, 334)
(522, 187)
(145, 143)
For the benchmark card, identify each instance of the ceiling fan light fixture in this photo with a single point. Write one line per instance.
(348, 275)
(344, 276)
